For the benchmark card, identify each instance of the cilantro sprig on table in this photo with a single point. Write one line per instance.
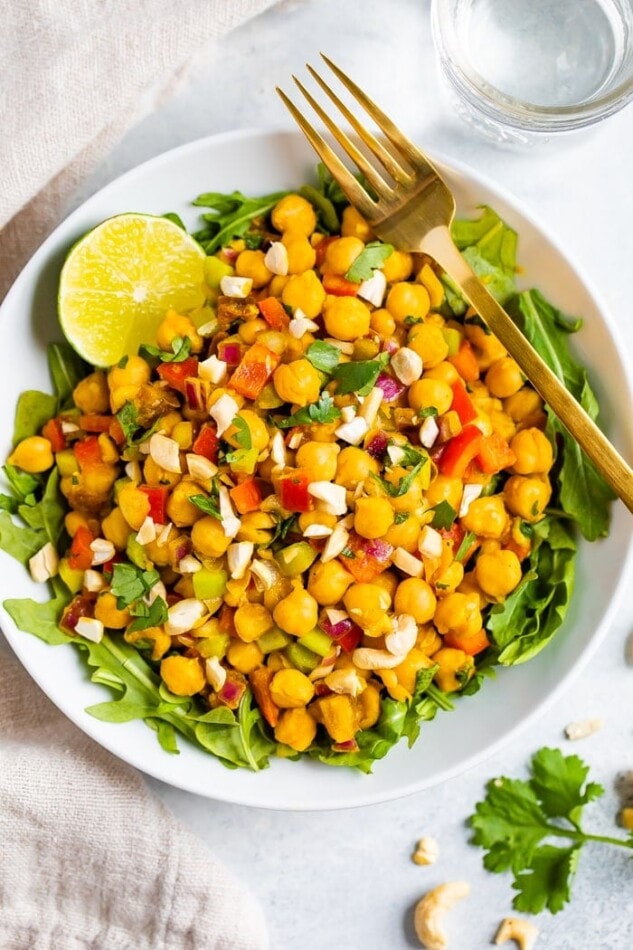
(518, 821)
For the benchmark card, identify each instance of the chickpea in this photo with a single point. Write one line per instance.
(405, 535)
(382, 322)
(455, 669)
(297, 382)
(91, 394)
(444, 371)
(398, 267)
(294, 213)
(354, 465)
(301, 254)
(408, 300)
(415, 597)
(523, 404)
(459, 613)
(370, 706)
(534, 453)
(133, 504)
(504, 378)
(251, 264)
(290, 689)
(249, 330)
(318, 460)
(339, 716)
(115, 528)
(251, 621)
(412, 499)
(182, 675)
(367, 605)
(297, 613)
(354, 225)
(498, 573)
(129, 378)
(74, 520)
(328, 582)
(341, 254)
(449, 579)
(33, 455)
(388, 581)
(373, 517)
(179, 508)
(486, 517)
(177, 325)
(108, 613)
(256, 527)
(346, 318)
(426, 393)
(155, 475)
(488, 348)
(244, 657)
(527, 497)
(304, 292)
(429, 342)
(444, 488)
(296, 728)
(469, 585)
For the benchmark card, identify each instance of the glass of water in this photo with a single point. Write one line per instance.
(519, 70)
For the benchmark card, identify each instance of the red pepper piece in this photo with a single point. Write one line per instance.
(157, 497)
(246, 496)
(88, 452)
(293, 491)
(55, 434)
(95, 423)
(175, 374)
(321, 249)
(206, 443)
(81, 555)
(459, 451)
(470, 643)
(494, 454)
(274, 313)
(370, 558)
(339, 286)
(462, 404)
(255, 369)
(465, 362)
(116, 432)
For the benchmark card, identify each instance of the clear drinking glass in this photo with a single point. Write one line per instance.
(519, 70)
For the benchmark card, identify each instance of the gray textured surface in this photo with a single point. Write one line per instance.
(345, 879)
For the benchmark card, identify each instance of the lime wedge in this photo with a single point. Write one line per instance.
(120, 279)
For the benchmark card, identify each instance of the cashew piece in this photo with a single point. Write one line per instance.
(404, 632)
(426, 852)
(366, 658)
(431, 909)
(522, 932)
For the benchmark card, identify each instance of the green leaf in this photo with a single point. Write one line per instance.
(19, 541)
(404, 484)
(231, 216)
(443, 515)
(584, 494)
(324, 207)
(358, 377)
(240, 741)
(317, 412)
(465, 545)
(243, 434)
(148, 615)
(180, 350)
(66, 369)
(323, 356)
(207, 504)
(23, 484)
(130, 583)
(558, 782)
(509, 823)
(128, 420)
(175, 219)
(489, 246)
(370, 259)
(41, 618)
(547, 883)
(33, 410)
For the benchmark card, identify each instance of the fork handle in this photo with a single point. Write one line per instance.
(439, 245)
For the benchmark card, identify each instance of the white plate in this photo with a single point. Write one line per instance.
(257, 162)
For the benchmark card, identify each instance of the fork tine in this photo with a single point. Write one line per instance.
(370, 173)
(413, 155)
(352, 188)
(395, 170)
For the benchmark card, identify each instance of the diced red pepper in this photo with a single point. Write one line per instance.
(255, 369)
(321, 249)
(206, 443)
(157, 498)
(260, 680)
(350, 639)
(339, 286)
(274, 313)
(293, 491)
(470, 643)
(55, 434)
(454, 534)
(370, 558)
(88, 452)
(459, 451)
(116, 432)
(227, 621)
(494, 454)
(95, 423)
(81, 555)
(465, 362)
(246, 496)
(462, 404)
(175, 374)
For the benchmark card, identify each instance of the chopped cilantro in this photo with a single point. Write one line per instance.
(207, 504)
(180, 350)
(373, 256)
(443, 515)
(130, 583)
(322, 411)
(359, 377)
(465, 546)
(403, 486)
(148, 615)
(323, 356)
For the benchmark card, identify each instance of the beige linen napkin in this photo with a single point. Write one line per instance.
(89, 858)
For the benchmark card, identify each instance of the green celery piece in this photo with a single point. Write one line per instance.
(296, 558)
(209, 584)
(301, 657)
(216, 644)
(273, 639)
(317, 642)
(137, 555)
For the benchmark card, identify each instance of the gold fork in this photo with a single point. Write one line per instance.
(415, 214)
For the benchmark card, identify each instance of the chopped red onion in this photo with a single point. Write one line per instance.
(391, 387)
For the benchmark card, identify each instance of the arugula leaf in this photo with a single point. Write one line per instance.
(528, 619)
(19, 541)
(231, 217)
(489, 246)
(207, 504)
(236, 741)
(41, 618)
(23, 484)
(322, 411)
(443, 515)
(404, 484)
(32, 411)
(180, 350)
(584, 494)
(175, 219)
(66, 369)
(323, 356)
(324, 207)
(516, 818)
(358, 377)
(370, 258)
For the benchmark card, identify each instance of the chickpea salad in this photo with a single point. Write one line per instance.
(314, 510)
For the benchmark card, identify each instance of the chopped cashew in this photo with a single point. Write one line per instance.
(430, 911)
(583, 728)
(521, 931)
(403, 635)
(366, 658)
(426, 851)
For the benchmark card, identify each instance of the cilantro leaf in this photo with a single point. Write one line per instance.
(148, 615)
(323, 356)
(243, 434)
(358, 377)
(443, 515)
(128, 420)
(231, 216)
(404, 484)
(372, 257)
(206, 504)
(322, 411)
(130, 583)
(180, 350)
(517, 818)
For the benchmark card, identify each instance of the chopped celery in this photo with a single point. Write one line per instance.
(453, 339)
(209, 584)
(137, 555)
(72, 578)
(317, 642)
(296, 558)
(273, 639)
(302, 659)
(215, 645)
